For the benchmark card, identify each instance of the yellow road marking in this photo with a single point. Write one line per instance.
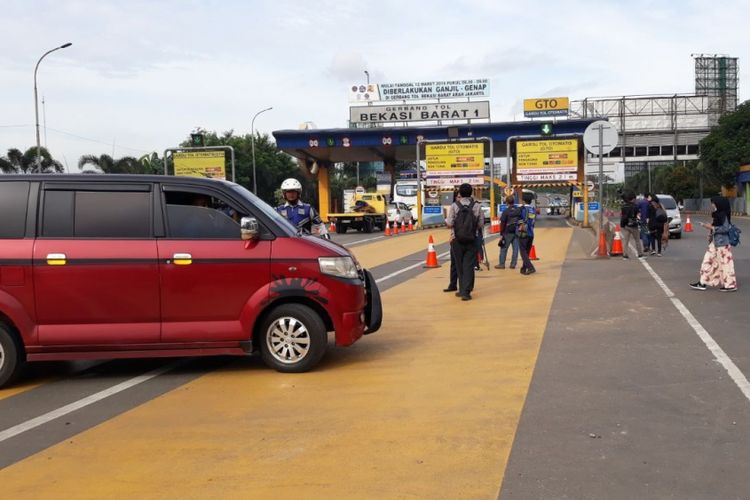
(396, 247)
(19, 388)
(428, 407)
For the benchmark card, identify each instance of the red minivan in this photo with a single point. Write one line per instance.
(125, 266)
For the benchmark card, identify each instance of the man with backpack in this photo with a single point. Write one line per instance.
(464, 220)
(525, 232)
(629, 225)
(508, 237)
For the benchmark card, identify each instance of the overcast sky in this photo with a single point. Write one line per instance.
(143, 74)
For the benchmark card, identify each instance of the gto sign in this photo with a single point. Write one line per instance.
(546, 106)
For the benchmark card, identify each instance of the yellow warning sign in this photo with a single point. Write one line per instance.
(209, 164)
(547, 160)
(446, 159)
(546, 106)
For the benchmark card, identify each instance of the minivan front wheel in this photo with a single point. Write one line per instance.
(293, 338)
(9, 356)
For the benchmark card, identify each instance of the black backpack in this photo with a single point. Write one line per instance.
(465, 224)
(514, 215)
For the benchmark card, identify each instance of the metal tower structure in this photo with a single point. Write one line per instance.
(716, 76)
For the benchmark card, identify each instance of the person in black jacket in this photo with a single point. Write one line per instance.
(629, 225)
(657, 217)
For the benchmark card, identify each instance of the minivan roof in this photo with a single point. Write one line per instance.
(112, 177)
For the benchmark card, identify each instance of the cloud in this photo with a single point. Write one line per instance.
(349, 67)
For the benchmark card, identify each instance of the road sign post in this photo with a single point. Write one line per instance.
(600, 138)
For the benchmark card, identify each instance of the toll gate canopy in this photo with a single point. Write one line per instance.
(323, 147)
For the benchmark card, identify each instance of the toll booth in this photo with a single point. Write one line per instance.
(317, 150)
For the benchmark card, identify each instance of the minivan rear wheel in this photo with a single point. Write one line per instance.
(293, 338)
(10, 363)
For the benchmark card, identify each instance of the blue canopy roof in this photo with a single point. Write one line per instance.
(398, 143)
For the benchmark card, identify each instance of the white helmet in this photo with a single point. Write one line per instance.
(291, 185)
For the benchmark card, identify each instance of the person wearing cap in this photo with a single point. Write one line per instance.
(301, 215)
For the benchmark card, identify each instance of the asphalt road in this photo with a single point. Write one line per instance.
(627, 401)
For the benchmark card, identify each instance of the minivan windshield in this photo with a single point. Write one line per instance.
(267, 210)
(667, 202)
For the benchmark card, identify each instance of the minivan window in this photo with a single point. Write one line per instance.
(198, 222)
(97, 214)
(267, 210)
(13, 203)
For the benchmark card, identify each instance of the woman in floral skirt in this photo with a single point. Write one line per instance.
(717, 268)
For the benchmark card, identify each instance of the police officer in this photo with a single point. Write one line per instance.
(301, 215)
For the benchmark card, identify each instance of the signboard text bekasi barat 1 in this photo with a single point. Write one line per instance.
(420, 112)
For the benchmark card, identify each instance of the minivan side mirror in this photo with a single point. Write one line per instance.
(249, 229)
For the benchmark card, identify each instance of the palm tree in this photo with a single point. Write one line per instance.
(16, 162)
(108, 165)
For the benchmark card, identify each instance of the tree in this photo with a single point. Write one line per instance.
(125, 165)
(727, 147)
(16, 162)
(272, 165)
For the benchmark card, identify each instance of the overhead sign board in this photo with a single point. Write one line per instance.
(209, 164)
(419, 112)
(409, 91)
(546, 106)
(455, 159)
(547, 160)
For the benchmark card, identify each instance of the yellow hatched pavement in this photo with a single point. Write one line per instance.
(427, 407)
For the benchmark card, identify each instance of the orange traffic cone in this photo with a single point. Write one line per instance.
(431, 255)
(617, 243)
(387, 228)
(403, 226)
(688, 226)
(332, 227)
(532, 253)
(411, 225)
(602, 251)
(494, 225)
(395, 227)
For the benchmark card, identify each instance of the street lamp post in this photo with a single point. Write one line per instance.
(252, 142)
(367, 73)
(36, 105)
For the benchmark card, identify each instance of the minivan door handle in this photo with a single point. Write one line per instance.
(182, 259)
(56, 259)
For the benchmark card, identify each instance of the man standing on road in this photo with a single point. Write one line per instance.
(508, 237)
(643, 206)
(301, 215)
(629, 225)
(464, 218)
(526, 232)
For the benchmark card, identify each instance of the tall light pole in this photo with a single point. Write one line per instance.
(252, 142)
(36, 105)
(367, 73)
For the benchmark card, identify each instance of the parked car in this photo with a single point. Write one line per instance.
(123, 266)
(673, 213)
(399, 213)
(486, 211)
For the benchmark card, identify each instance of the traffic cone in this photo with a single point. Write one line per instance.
(532, 253)
(403, 226)
(411, 225)
(387, 228)
(431, 261)
(332, 227)
(602, 251)
(617, 243)
(688, 226)
(395, 228)
(494, 225)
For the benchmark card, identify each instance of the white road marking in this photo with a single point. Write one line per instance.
(88, 400)
(352, 243)
(409, 268)
(720, 356)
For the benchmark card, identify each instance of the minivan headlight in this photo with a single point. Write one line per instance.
(341, 267)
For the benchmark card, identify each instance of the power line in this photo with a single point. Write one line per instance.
(82, 138)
